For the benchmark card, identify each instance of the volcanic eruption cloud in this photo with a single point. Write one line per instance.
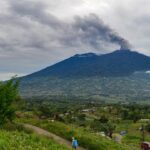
(78, 33)
(90, 31)
(93, 29)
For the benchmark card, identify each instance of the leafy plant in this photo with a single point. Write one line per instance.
(8, 96)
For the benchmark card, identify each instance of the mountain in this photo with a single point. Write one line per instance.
(118, 63)
(120, 73)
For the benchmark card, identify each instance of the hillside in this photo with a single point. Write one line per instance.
(117, 63)
(15, 140)
(122, 73)
(88, 140)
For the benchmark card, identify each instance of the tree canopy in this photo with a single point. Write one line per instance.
(8, 96)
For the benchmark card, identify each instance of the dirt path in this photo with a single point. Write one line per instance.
(51, 135)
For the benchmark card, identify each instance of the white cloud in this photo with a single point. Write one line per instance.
(8, 75)
(148, 72)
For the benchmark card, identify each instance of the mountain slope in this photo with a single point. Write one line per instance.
(118, 63)
(122, 73)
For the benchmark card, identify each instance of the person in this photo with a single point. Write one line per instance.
(74, 143)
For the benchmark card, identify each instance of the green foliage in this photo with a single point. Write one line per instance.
(130, 88)
(97, 126)
(8, 96)
(124, 114)
(3, 145)
(147, 127)
(46, 111)
(103, 119)
(22, 141)
(81, 117)
(86, 139)
(107, 127)
(134, 116)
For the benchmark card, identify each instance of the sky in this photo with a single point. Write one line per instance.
(35, 34)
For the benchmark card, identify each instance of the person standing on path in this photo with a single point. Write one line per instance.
(74, 143)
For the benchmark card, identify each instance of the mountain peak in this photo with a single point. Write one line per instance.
(124, 51)
(122, 62)
(90, 54)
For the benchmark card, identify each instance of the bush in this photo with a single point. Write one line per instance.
(3, 145)
(147, 127)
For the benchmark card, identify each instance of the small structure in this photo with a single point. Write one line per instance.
(43, 117)
(102, 134)
(144, 120)
(88, 110)
(123, 132)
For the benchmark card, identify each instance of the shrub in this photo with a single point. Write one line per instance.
(8, 95)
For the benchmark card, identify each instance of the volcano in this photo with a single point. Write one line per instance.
(122, 73)
(118, 63)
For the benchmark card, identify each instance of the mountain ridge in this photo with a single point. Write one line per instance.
(117, 63)
(86, 82)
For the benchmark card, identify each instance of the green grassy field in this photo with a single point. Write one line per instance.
(86, 138)
(134, 135)
(15, 140)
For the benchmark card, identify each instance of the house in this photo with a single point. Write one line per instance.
(88, 110)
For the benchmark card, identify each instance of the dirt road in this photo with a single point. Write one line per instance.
(51, 135)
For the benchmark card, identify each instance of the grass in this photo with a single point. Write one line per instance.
(15, 140)
(86, 139)
(134, 135)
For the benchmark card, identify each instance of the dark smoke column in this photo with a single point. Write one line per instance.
(124, 45)
(115, 38)
(94, 31)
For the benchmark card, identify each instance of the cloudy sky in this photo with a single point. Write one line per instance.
(38, 33)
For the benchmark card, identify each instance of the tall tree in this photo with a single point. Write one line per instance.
(8, 96)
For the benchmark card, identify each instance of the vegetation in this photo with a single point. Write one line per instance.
(86, 138)
(134, 88)
(92, 120)
(106, 127)
(13, 136)
(15, 140)
(148, 127)
(96, 125)
(8, 97)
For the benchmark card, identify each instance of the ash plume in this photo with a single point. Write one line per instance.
(94, 30)
(83, 33)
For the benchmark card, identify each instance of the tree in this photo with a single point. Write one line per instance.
(124, 114)
(81, 117)
(103, 119)
(8, 96)
(47, 111)
(108, 127)
(97, 126)
(147, 127)
(135, 116)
